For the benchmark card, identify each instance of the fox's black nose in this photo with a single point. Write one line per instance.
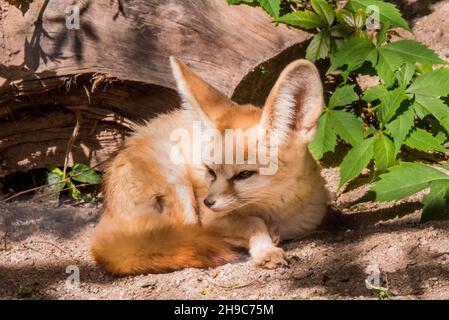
(209, 203)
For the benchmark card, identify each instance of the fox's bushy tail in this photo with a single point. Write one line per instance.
(137, 247)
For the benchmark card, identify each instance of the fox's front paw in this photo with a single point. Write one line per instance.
(271, 258)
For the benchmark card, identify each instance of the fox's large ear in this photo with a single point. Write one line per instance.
(295, 103)
(198, 95)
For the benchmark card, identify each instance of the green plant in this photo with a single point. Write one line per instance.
(408, 178)
(407, 109)
(381, 292)
(27, 290)
(78, 173)
(204, 292)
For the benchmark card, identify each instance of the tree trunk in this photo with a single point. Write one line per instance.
(113, 71)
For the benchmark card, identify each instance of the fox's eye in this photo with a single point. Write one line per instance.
(243, 175)
(212, 172)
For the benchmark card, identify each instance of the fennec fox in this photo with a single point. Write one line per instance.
(164, 211)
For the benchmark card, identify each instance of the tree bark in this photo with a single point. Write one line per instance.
(114, 69)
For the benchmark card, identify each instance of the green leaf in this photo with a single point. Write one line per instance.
(400, 127)
(359, 19)
(52, 178)
(54, 168)
(88, 197)
(446, 165)
(435, 201)
(382, 34)
(431, 84)
(319, 47)
(388, 13)
(345, 17)
(305, 19)
(384, 152)
(271, 6)
(340, 31)
(343, 96)
(325, 138)
(406, 73)
(347, 126)
(356, 160)
(435, 107)
(391, 102)
(77, 195)
(412, 51)
(387, 64)
(375, 93)
(405, 180)
(83, 173)
(437, 130)
(441, 136)
(422, 140)
(74, 191)
(352, 53)
(381, 292)
(420, 111)
(424, 68)
(324, 10)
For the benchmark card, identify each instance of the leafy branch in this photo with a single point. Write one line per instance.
(408, 108)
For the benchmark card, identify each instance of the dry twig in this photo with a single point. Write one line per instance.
(72, 139)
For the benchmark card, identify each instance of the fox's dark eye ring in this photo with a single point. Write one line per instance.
(211, 172)
(243, 175)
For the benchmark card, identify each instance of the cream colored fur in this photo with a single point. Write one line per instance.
(149, 200)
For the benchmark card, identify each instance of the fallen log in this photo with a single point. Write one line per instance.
(114, 68)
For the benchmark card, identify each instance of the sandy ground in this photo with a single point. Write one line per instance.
(42, 243)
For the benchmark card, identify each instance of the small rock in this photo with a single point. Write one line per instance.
(293, 257)
(150, 285)
(394, 292)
